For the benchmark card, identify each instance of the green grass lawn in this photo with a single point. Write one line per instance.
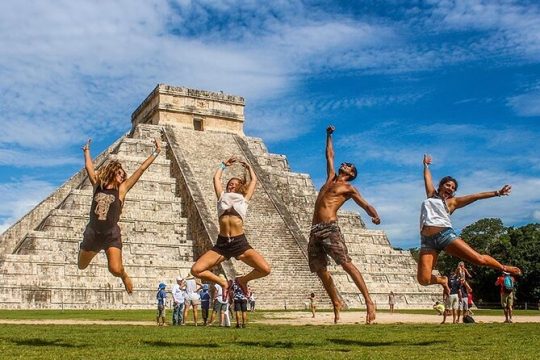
(259, 341)
(478, 341)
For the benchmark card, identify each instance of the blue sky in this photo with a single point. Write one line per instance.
(457, 79)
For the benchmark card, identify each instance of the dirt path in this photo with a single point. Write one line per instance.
(357, 317)
(293, 318)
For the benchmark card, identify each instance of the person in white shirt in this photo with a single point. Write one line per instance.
(192, 298)
(178, 301)
(220, 305)
(437, 233)
(232, 210)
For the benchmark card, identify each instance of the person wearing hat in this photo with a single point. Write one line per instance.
(205, 303)
(161, 296)
(178, 301)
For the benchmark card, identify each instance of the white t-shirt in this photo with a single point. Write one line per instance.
(229, 200)
(219, 294)
(178, 294)
(433, 213)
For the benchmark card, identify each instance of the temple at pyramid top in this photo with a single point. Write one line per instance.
(191, 109)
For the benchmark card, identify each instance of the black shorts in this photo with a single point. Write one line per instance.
(229, 247)
(240, 305)
(96, 241)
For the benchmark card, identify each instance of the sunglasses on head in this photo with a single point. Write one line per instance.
(347, 164)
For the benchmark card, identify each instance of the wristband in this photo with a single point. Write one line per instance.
(497, 193)
(155, 153)
(222, 166)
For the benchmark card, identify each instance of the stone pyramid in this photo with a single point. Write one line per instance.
(169, 220)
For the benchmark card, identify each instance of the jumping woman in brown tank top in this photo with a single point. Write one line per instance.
(111, 185)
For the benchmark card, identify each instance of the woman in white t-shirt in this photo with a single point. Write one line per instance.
(437, 233)
(232, 207)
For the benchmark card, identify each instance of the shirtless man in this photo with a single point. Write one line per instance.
(326, 238)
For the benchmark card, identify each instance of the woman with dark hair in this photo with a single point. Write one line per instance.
(437, 233)
(111, 184)
(232, 207)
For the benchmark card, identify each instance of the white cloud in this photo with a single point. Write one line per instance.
(526, 104)
(512, 27)
(20, 197)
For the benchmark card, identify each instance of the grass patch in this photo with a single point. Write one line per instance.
(486, 341)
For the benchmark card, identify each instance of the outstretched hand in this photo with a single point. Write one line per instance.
(87, 145)
(330, 129)
(230, 161)
(505, 190)
(244, 164)
(427, 159)
(376, 220)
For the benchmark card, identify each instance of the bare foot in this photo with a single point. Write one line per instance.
(444, 284)
(512, 270)
(226, 290)
(370, 312)
(337, 309)
(128, 284)
(242, 285)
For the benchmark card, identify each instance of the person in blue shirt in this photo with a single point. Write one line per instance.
(205, 303)
(161, 296)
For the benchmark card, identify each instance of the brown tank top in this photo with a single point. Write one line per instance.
(106, 209)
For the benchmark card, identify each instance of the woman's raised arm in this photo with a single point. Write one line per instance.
(88, 164)
(428, 181)
(252, 182)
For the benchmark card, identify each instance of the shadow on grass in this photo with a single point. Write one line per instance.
(41, 342)
(276, 344)
(383, 343)
(176, 344)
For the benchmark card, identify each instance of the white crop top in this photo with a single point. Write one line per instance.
(233, 200)
(433, 213)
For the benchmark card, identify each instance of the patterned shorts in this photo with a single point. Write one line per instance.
(325, 240)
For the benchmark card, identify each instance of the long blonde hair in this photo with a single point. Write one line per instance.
(107, 174)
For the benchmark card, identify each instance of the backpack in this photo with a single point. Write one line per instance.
(508, 284)
(468, 319)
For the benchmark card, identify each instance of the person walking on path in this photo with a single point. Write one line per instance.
(110, 186)
(178, 301)
(312, 304)
(161, 296)
(232, 208)
(391, 301)
(437, 233)
(325, 238)
(506, 283)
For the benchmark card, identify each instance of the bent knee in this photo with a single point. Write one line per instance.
(423, 279)
(265, 270)
(117, 271)
(196, 270)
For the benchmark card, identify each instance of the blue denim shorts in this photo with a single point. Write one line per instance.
(439, 241)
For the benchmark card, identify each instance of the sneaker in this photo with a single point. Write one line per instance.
(238, 326)
(243, 325)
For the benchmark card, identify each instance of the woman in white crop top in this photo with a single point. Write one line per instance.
(232, 208)
(437, 233)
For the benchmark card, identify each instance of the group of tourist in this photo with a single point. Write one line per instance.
(190, 293)
(111, 184)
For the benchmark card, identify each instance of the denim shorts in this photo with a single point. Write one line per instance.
(439, 241)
